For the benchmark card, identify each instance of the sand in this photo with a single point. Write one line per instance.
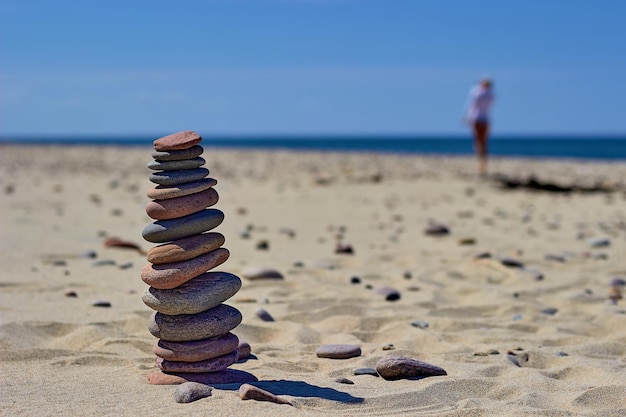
(59, 355)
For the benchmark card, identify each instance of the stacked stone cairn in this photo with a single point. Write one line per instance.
(190, 320)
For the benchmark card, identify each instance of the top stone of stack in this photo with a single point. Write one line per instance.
(177, 141)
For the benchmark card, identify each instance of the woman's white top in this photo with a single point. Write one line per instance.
(480, 101)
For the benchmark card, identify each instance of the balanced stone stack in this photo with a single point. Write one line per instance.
(190, 320)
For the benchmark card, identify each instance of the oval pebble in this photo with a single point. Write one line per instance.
(394, 367)
(161, 192)
(184, 249)
(196, 350)
(253, 273)
(264, 315)
(201, 293)
(173, 208)
(191, 391)
(214, 322)
(209, 365)
(244, 349)
(420, 324)
(176, 165)
(172, 275)
(178, 155)
(163, 231)
(390, 294)
(182, 176)
(338, 351)
(180, 140)
(366, 371)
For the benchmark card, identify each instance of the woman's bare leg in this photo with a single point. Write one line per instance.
(481, 132)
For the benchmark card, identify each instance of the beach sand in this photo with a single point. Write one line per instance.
(60, 355)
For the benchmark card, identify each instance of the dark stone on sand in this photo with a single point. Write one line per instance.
(176, 165)
(250, 392)
(201, 293)
(355, 280)
(551, 311)
(244, 350)
(254, 273)
(420, 324)
(555, 258)
(366, 371)
(71, 294)
(263, 245)
(227, 376)
(511, 263)
(196, 350)
(264, 315)
(179, 155)
(188, 392)
(103, 262)
(436, 229)
(90, 254)
(344, 381)
(390, 294)
(184, 176)
(177, 141)
(467, 241)
(114, 242)
(59, 262)
(216, 364)
(394, 367)
(166, 230)
(599, 242)
(101, 303)
(483, 255)
(344, 249)
(618, 282)
(338, 351)
(185, 327)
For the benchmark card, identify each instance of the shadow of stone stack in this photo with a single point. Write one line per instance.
(192, 323)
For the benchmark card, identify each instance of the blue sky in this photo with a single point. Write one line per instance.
(263, 67)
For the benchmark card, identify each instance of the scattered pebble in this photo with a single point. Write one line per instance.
(250, 392)
(394, 367)
(599, 242)
(562, 354)
(338, 351)
(244, 350)
(420, 324)
(263, 245)
(407, 275)
(511, 263)
(436, 229)
(390, 294)
(114, 242)
(126, 265)
(344, 381)
(483, 255)
(555, 258)
(355, 280)
(59, 262)
(101, 303)
(71, 293)
(518, 317)
(467, 241)
(344, 248)
(103, 262)
(389, 346)
(618, 282)
(264, 315)
(188, 392)
(551, 311)
(90, 254)
(255, 272)
(366, 371)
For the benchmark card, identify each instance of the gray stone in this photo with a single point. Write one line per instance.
(420, 324)
(185, 327)
(188, 392)
(344, 381)
(244, 349)
(394, 367)
(163, 231)
(176, 165)
(264, 315)
(194, 296)
(599, 242)
(338, 351)
(196, 350)
(254, 273)
(178, 155)
(178, 177)
(208, 365)
(390, 294)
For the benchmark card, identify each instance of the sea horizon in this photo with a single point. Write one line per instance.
(588, 146)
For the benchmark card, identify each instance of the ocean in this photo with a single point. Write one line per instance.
(588, 147)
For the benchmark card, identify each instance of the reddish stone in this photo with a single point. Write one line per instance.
(177, 141)
(250, 392)
(171, 275)
(197, 350)
(244, 349)
(227, 376)
(184, 249)
(181, 206)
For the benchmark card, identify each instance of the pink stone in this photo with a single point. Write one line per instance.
(197, 350)
(163, 192)
(181, 206)
(244, 349)
(171, 275)
(208, 365)
(177, 141)
(250, 392)
(184, 249)
(227, 376)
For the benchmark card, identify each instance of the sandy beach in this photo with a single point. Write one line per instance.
(525, 329)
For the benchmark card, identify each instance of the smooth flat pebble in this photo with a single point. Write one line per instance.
(196, 350)
(180, 140)
(176, 165)
(178, 177)
(172, 275)
(163, 231)
(256, 272)
(208, 365)
(390, 294)
(227, 376)
(184, 249)
(338, 351)
(263, 314)
(394, 367)
(214, 322)
(201, 293)
(173, 208)
(250, 392)
(161, 192)
(191, 391)
(179, 155)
